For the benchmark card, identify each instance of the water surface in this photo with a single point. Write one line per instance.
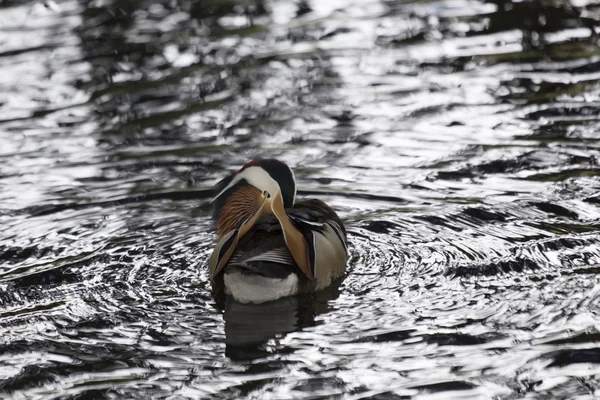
(458, 140)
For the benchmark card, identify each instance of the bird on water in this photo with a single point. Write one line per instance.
(270, 245)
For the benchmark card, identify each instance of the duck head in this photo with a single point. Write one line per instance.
(260, 187)
(242, 193)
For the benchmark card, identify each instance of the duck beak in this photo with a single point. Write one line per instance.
(294, 240)
(219, 261)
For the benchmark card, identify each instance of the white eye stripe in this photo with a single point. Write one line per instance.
(255, 176)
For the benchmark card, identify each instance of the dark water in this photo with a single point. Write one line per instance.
(459, 140)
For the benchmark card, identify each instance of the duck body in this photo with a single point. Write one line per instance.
(268, 249)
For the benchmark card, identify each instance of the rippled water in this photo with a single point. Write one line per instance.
(459, 140)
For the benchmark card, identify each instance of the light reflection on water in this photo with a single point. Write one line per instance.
(457, 139)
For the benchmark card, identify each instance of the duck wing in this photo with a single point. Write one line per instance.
(326, 238)
(263, 250)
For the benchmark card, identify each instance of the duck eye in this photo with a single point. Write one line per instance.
(266, 194)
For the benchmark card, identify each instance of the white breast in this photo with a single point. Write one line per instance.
(258, 289)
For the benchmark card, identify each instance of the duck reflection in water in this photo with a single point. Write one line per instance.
(252, 330)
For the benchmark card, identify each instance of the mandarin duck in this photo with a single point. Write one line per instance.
(268, 244)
